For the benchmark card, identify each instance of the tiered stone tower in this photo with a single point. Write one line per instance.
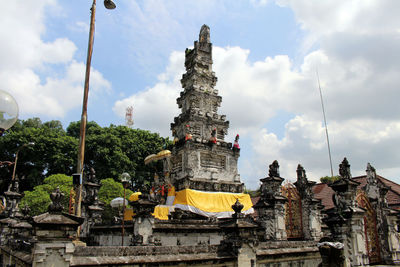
(201, 158)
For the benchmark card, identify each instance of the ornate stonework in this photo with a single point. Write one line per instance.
(201, 158)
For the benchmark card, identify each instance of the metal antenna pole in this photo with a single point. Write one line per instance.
(326, 127)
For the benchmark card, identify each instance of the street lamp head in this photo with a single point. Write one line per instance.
(8, 111)
(109, 4)
(125, 179)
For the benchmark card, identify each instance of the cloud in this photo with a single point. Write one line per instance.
(154, 108)
(357, 61)
(42, 75)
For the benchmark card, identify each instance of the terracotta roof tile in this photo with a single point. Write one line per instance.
(324, 192)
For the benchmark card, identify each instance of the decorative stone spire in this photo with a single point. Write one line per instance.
(304, 186)
(271, 205)
(344, 169)
(199, 101)
(201, 158)
(311, 207)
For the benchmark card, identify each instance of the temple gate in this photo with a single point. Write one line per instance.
(293, 212)
(370, 228)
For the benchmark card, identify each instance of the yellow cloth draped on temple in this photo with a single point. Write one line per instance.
(208, 204)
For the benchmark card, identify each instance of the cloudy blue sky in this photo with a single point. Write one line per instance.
(266, 54)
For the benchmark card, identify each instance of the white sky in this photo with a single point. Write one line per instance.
(265, 57)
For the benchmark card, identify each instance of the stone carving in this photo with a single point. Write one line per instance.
(274, 169)
(237, 208)
(209, 160)
(199, 103)
(92, 176)
(344, 169)
(56, 198)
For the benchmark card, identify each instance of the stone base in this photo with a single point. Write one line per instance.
(210, 186)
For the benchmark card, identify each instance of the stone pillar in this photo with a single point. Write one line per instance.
(271, 206)
(311, 207)
(143, 221)
(393, 238)
(240, 237)
(385, 217)
(11, 215)
(345, 220)
(91, 206)
(54, 232)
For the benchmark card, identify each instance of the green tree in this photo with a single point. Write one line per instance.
(109, 150)
(109, 190)
(329, 179)
(53, 152)
(38, 199)
(116, 149)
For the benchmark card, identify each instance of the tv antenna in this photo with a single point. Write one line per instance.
(326, 126)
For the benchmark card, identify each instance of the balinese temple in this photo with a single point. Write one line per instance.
(196, 214)
(202, 167)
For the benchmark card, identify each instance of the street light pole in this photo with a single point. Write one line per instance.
(125, 179)
(82, 135)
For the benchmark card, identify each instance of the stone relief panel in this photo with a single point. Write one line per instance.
(208, 160)
(176, 163)
(196, 130)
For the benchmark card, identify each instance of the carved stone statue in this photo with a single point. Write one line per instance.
(274, 169)
(56, 197)
(344, 169)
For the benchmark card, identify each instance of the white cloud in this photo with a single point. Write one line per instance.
(154, 108)
(357, 61)
(42, 75)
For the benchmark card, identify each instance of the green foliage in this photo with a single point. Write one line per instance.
(329, 179)
(53, 152)
(109, 150)
(38, 200)
(111, 189)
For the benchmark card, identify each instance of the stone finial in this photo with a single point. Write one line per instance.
(204, 36)
(274, 169)
(371, 174)
(237, 208)
(56, 197)
(344, 169)
(92, 176)
(301, 173)
(14, 185)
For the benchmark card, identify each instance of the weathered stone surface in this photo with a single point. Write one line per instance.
(271, 206)
(201, 158)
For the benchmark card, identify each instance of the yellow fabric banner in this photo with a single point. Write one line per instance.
(161, 212)
(212, 201)
(134, 196)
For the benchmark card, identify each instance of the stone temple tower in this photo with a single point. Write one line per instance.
(201, 158)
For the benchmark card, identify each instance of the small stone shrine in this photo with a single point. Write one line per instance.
(201, 158)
